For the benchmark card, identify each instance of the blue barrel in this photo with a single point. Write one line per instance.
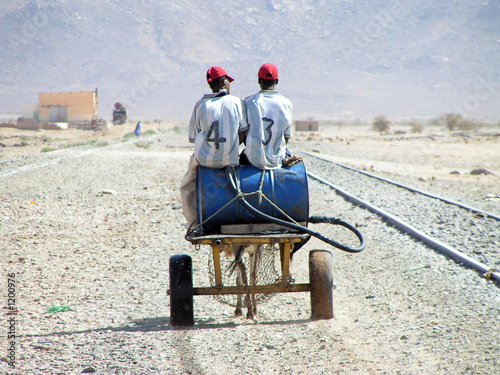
(286, 187)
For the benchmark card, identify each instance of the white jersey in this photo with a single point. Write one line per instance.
(269, 118)
(215, 123)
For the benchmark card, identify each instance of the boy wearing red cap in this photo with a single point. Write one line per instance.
(269, 118)
(217, 127)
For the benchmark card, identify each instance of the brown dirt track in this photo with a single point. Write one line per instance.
(95, 233)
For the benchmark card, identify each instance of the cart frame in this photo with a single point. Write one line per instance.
(285, 242)
(320, 275)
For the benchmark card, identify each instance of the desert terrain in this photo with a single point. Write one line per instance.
(89, 237)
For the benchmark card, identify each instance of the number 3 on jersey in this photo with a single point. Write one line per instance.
(268, 131)
(214, 129)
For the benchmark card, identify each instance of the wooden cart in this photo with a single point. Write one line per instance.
(182, 291)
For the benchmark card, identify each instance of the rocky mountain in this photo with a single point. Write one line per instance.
(337, 58)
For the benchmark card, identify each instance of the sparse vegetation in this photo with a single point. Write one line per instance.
(455, 121)
(129, 135)
(77, 144)
(94, 142)
(469, 124)
(144, 145)
(416, 127)
(381, 124)
(451, 120)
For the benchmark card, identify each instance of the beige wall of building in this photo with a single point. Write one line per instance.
(307, 125)
(74, 106)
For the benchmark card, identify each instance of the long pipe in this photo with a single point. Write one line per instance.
(234, 184)
(493, 216)
(441, 246)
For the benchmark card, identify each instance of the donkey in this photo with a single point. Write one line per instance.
(254, 254)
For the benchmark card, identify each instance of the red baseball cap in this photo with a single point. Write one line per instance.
(215, 72)
(268, 71)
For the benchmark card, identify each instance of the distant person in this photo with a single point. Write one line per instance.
(269, 117)
(137, 130)
(217, 127)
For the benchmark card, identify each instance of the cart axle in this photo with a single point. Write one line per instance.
(257, 289)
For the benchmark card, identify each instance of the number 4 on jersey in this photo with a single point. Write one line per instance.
(214, 128)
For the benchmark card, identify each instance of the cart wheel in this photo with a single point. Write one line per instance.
(181, 290)
(321, 279)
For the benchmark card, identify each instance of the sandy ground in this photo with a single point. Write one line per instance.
(95, 233)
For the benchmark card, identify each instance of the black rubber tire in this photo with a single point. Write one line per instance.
(321, 279)
(181, 290)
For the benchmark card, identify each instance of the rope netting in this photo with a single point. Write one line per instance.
(267, 269)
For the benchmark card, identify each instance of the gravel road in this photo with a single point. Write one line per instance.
(94, 233)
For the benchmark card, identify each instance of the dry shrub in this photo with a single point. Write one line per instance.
(455, 121)
(469, 124)
(381, 124)
(416, 127)
(451, 120)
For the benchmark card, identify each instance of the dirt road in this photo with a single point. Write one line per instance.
(94, 233)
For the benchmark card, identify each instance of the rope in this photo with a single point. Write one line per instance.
(261, 185)
(198, 229)
(261, 195)
(239, 195)
(236, 190)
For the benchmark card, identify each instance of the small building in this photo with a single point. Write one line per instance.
(70, 107)
(307, 125)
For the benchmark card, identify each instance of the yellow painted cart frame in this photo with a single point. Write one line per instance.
(181, 283)
(285, 242)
